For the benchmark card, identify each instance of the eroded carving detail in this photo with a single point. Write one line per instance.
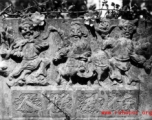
(92, 103)
(26, 104)
(75, 55)
(93, 53)
(27, 49)
(83, 56)
(62, 103)
(87, 104)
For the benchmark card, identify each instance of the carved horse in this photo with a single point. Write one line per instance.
(68, 66)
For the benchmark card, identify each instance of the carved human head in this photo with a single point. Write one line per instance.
(26, 28)
(77, 30)
(104, 24)
(127, 27)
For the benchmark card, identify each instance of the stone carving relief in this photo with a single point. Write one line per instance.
(75, 54)
(95, 103)
(104, 56)
(85, 66)
(76, 60)
(26, 104)
(26, 48)
(61, 103)
(122, 52)
(78, 104)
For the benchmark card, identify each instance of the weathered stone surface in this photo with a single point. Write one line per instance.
(83, 104)
(26, 104)
(66, 69)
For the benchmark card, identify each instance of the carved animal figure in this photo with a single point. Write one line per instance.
(122, 51)
(72, 60)
(70, 67)
(99, 63)
(122, 48)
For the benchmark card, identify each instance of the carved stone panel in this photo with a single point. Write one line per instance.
(59, 104)
(71, 69)
(111, 104)
(26, 103)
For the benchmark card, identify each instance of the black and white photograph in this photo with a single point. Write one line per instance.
(75, 59)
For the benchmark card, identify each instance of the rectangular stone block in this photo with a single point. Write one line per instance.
(87, 104)
(107, 104)
(26, 103)
(59, 103)
(79, 104)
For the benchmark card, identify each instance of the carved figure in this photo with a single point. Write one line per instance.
(99, 63)
(122, 51)
(127, 27)
(31, 26)
(70, 68)
(120, 56)
(122, 48)
(104, 28)
(76, 53)
(29, 48)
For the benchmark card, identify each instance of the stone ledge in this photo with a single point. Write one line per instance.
(77, 104)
